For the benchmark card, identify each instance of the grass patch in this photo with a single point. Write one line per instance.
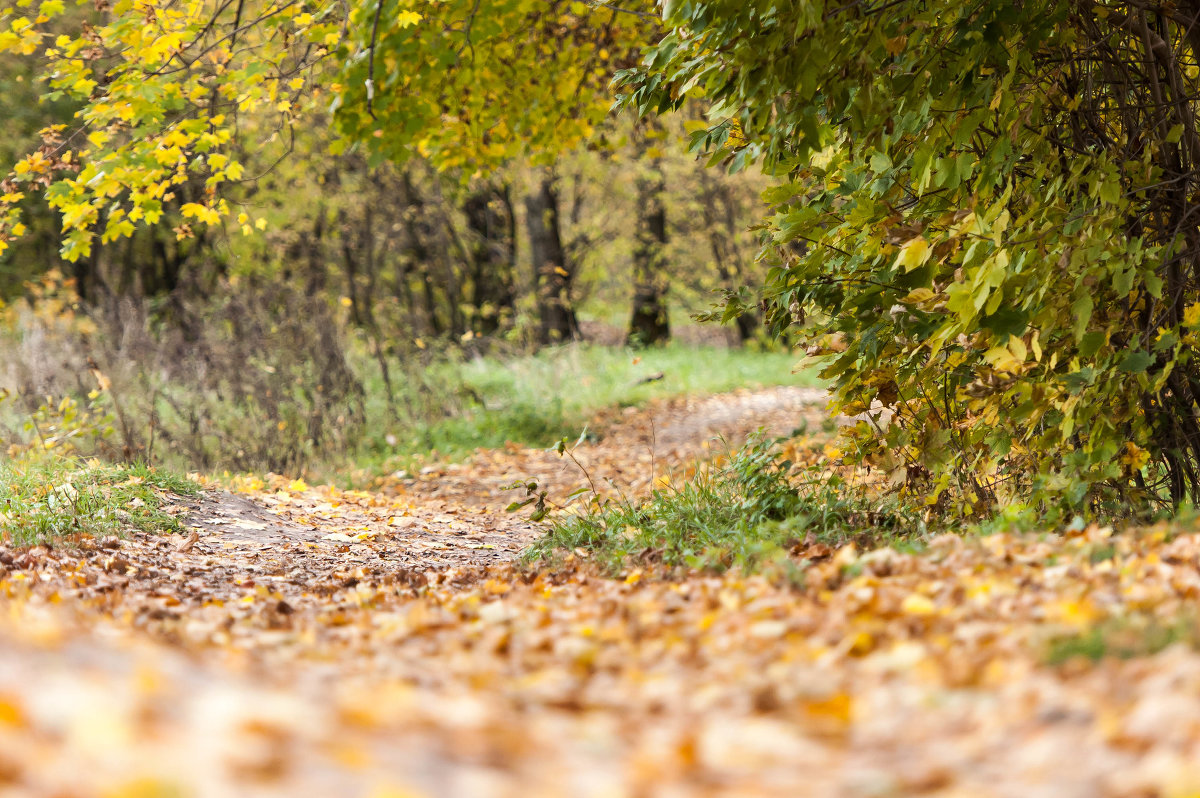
(453, 406)
(1124, 638)
(45, 499)
(750, 511)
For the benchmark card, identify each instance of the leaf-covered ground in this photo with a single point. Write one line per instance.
(309, 641)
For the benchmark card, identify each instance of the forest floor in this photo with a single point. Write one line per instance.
(308, 641)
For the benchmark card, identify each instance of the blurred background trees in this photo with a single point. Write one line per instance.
(325, 307)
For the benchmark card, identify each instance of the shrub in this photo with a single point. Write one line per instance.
(985, 226)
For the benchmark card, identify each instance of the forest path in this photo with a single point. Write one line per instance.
(311, 642)
(453, 515)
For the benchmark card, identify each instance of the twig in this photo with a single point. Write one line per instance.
(371, 61)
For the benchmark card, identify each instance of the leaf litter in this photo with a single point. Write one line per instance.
(310, 641)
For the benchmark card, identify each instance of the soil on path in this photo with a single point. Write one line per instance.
(313, 642)
(453, 515)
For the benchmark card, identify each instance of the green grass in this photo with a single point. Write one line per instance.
(1125, 638)
(452, 407)
(749, 512)
(49, 498)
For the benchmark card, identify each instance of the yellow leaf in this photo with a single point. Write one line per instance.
(917, 295)
(1001, 358)
(916, 604)
(406, 19)
(914, 253)
(837, 707)
(194, 210)
(1135, 456)
(1078, 613)
(1017, 347)
(11, 713)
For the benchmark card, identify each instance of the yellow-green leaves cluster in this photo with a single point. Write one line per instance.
(469, 84)
(166, 91)
(160, 89)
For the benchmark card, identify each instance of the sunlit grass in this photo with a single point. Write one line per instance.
(47, 498)
(458, 405)
(750, 511)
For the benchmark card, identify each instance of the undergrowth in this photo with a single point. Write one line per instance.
(51, 487)
(268, 379)
(750, 511)
(47, 498)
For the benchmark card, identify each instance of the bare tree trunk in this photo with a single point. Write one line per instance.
(552, 273)
(493, 251)
(649, 323)
(720, 219)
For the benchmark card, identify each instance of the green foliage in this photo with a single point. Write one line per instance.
(986, 230)
(984, 221)
(49, 497)
(749, 512)
(48, 491)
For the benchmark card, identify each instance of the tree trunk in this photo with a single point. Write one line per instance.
(417, 266)
(720, 219)
(493, 253)
(552, 273)
(649, 323)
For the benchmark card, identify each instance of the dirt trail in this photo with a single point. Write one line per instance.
(625, 449)
(313, 642)
(453, 515)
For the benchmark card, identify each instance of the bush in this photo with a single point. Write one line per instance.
(985, 225)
